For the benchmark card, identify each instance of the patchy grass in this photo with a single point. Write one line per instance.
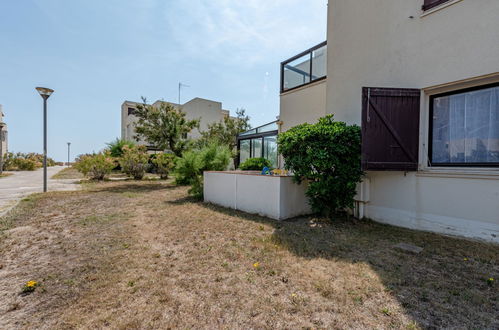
(144, 255)
(5, 174)
(68, 173)
(72, 173)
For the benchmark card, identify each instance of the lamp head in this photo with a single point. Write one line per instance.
(44, 92)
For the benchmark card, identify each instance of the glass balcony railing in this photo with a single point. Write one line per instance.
(304, 68)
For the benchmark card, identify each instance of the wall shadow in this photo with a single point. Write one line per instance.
(445, 286)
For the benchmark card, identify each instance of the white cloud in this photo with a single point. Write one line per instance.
(245, 32)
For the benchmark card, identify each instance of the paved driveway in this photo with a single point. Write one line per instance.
(14, 187)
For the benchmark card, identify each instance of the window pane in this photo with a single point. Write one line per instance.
(256, 148)
(244, 150)
(466, 127)
(319, 67)
(297, 72)
(270, 149)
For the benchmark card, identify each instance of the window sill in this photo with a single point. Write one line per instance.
(461, 173)
(437, 8)
(307, 85)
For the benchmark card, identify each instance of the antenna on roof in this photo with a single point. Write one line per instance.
(180, 85)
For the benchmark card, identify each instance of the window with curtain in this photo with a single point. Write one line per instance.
(465, 128)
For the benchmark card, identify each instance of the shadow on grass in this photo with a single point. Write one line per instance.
(445, 286)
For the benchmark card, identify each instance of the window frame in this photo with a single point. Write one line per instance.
(431, 164)
(433, 5)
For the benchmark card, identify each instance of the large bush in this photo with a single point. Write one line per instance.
(190, 168)
(255, 164)
(134, 161)
(328, 155)
(95, 166)
(163, 164)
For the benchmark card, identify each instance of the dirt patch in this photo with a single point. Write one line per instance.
(145, 255)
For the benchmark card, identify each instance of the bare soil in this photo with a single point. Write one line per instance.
(144, 255)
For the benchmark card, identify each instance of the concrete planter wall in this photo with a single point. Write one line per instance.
(276, 197)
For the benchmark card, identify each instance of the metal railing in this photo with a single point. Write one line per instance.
(305, 68)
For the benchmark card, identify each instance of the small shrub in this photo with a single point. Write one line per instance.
(24, 161)
(95, 166)
(255, 164)
(134, 161)
(327, 154)
(30, 286)
(190, 167)
(164, 164)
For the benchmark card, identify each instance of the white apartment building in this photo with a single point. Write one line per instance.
(206, 110)
(3, 133)
(421, 78)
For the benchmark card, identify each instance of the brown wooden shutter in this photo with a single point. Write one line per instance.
(428, 4)
(390, 129)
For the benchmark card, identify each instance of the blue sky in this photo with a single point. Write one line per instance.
(95, 54)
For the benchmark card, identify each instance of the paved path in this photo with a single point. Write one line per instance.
(14, 187)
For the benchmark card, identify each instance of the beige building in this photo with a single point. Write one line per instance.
(206, 110)
(421, 78)
(3, 133)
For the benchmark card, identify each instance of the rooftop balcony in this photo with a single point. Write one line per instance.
(304, 68)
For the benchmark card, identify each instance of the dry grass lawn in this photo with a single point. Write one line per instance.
(68, 173)
(144, 255)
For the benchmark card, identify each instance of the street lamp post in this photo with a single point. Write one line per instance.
(69, 146)
(45, 94)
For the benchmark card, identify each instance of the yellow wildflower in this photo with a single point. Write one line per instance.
(294, 295)
(465, 259)
(31, 284)
(256, 265)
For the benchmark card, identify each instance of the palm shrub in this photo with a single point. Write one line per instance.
(134, 161)
(95, 166)
(116, 147)
(255, 164)
(189, 169)
(164, 164)
(328, 155)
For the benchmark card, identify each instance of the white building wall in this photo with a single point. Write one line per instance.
(4, 135)
(305, 104)
(276, 197)
(392, 43)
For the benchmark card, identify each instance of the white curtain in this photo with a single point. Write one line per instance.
(466, 127)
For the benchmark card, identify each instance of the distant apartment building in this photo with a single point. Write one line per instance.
(3, 133)
(206, 111)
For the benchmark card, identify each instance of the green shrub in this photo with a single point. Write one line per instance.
(328, 155)
(95, 166)
(24, 161)
(134, 161)
(189, 169)
(164, 164)
(255, 164)
(116, 147)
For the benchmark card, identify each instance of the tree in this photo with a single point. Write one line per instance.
(225, 132)
(328, 155)
(164, 127)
